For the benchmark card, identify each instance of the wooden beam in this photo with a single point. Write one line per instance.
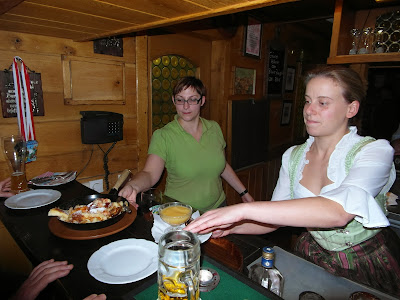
(143, 99)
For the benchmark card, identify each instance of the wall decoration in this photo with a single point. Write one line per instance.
(90, 81)
(245, 81)
(109, 46)
(252, 38)
(275, 69)
(165, 73)
(290, 77)
(7, 94)
(286, 112)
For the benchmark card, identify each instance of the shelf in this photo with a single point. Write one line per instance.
(346, 18)
(364, 58)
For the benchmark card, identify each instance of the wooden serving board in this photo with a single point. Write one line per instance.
(61, 230)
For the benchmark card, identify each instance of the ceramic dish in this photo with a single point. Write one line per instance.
(32, 199)
(110, 264)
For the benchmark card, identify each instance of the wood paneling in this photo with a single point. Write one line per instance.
(259, 179)
(93, 81)
(93, 19)
(143, 99)
(58, 131)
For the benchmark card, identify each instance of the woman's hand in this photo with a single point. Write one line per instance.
(5, 187)
(247, 198)
(129, 193)
(218, 220)
(40, 277)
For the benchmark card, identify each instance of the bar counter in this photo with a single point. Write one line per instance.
(30, 229)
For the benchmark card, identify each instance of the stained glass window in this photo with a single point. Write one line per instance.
(166, 71)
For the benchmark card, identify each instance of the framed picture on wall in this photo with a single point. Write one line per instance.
(252, 38)
(286, 112)
(245, 81)
(290, 77)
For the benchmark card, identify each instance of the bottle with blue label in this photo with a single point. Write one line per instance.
(266, 274)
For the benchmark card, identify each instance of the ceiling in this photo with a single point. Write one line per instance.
(84, 20)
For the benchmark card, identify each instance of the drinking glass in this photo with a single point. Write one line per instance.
(14, 148)
(175, 214)
(379, 46)
(147, 199)
(355, 34)
(366, 41)
(178, 266)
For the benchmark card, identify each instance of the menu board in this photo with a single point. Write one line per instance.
(276, 65)
(7, 94)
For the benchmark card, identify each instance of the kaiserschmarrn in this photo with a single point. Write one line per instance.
(99, 210)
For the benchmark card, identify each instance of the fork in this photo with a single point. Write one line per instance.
(53, 177)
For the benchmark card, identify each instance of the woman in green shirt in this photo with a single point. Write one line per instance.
(192, 149)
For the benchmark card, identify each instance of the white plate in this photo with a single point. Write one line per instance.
(55, 181)
(32, 199)
(124, 261)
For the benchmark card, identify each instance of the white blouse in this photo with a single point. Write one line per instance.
(371, 171)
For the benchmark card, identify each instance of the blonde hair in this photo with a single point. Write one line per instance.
(348, 79)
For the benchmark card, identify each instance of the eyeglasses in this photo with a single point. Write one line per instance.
(190, 101)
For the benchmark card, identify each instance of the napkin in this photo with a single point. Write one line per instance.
(159, 226)
(391, 200)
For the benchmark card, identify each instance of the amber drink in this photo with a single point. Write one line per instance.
(175, 214)
(14, 148)
(18, 182)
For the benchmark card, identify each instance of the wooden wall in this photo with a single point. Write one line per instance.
(58, 131)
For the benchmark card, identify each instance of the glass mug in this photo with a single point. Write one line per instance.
(178, 266)
(14, 148)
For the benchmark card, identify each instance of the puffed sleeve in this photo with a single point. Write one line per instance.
(371, 172)
(282, 188)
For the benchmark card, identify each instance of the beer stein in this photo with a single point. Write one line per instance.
(178, 266)
(14, 148)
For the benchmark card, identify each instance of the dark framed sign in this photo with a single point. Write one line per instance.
(252, 38)
(290, 78)
(275, 70)
(109, 46)
(286, 112)
(7, 94)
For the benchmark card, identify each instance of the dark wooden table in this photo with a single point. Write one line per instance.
(30, 230)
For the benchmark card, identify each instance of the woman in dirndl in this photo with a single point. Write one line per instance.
(334, 184)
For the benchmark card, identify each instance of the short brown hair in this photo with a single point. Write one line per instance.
(350, 81)
(189, 81)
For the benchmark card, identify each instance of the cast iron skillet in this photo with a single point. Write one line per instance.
(84, 200)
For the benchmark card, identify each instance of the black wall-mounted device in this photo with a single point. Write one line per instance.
(100, 127)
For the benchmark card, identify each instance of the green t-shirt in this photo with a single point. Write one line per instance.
(194, 168)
